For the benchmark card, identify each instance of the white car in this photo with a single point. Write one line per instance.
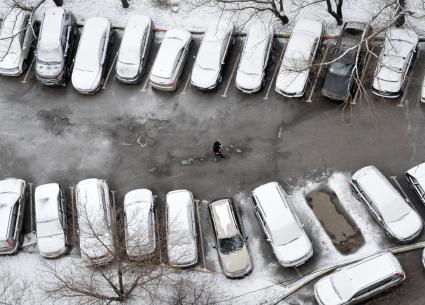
(170, 60)
(423, 92)
(298, 58)
(212, 54)
(394, 62)
(416, 179)
(182, 244)
(254, 58)
(89, 63)
(387, 206)
(359, 281)
(139, 206)
(94, 221)
(51, 221)
(281, 225)
(134, 49)
(16, 37)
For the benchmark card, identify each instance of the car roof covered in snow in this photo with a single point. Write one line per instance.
(50, 35)
(179, 206)
(418, 172)
(10, 191)
(224, 222)
(9, 31)
(132, 40)
(46, 202)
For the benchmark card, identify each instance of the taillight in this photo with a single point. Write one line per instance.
(400, 274)
(9, 242)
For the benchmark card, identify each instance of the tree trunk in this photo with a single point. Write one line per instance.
(401, 19)
(125, 3)
(58, 2)
(338, 13)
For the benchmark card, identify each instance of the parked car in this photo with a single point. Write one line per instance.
(90, 61)
(231, 245)
(16, 37)
(394, 62)
(386, 205)
(254, 58)
(212, 54)
(298, 58)
(416, 179)
(170, 60)
(12, 207)
(139, 216)
(339, 81)
(359, 281)
(51, 220)
(281, 225)
(181, 229)
(423, 92)
(94, 221)
(134, 49)
(54, 47)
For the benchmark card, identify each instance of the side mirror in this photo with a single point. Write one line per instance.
(269, 240)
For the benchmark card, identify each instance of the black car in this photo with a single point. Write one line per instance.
(54, 47)
(339, 81)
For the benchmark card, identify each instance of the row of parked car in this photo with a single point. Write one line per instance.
(54, 62)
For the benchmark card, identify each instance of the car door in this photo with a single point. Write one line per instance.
(178, 64)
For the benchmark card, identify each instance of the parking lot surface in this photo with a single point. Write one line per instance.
(136, 137)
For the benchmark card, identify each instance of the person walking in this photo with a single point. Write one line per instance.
(216, 148)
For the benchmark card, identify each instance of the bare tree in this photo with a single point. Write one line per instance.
(337, 11)
(14, 290)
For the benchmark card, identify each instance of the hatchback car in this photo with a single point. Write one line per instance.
(394, 63)
(54, 47)
(212, 54)
(416, 179)
(386, 205)
(255, 57)
(339, 82)
(16, 37)
(51, 221)
(298, 58)
(181, 229)
(90, 61)
(139, 216)
(231, 245)
(12, 207)
(359, 281)
(170, 60)
(134, 49)
(281, 225)
(94, 221)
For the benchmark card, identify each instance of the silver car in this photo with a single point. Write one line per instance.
(12, 207)
(400, 221)
(416, 179)
(139, 217)
(231, 246)
(51, 221)
(359, 281)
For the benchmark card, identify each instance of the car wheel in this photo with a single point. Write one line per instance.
(220, 79)
(25, 65)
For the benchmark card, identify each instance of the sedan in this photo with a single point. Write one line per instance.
(12, 207)
(387, 206)
(139, 217)
(298, 58)
(394, 62)
(212, 54)
(134, 49)
(89, 65)
(170, 60)
(416, 179)
(51, 221)
(254, 58)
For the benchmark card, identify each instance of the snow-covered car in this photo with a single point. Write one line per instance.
(298, 58)
(139, 217)
(359, 281)
(90, 61)
(394, 213)
(134, 49)
(394, 63)
(51, 221)
(170, 60)
(53, 56)
(12, 207)
(94, 221)
(231, 245)
(254, 58)
(212, 54)
(416, 179)
(280, 224)
(16, 37)
(182, 244)
(423, 92)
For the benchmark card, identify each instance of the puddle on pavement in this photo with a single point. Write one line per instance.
(345, 235)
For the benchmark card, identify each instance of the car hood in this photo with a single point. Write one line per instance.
(325, 293)
(292, 81)
(184, 254)
(336, 85)
(10, 61)
(127, 70)
(86, 80)
(294, 251)
(248, 81)
(387, 85)
(406, 227)
(204, 78)
(236, 262)
(51, 244)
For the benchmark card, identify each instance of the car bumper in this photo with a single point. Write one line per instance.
(334, 97)
(211, 88)
(297, 262)
(54, 81)
(386, 94)
(88, 92)
(163, 87)
(56, 254)
(289, 94)
(14, 72)
(129, 80)
(9, 250)
(250, 90)
(239, 274)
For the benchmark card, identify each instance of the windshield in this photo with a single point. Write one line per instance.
(230, 244)
(340, 68)
(342, 288)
